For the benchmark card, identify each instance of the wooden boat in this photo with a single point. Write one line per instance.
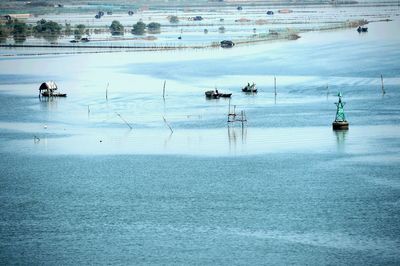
(214, 94)
(227, 44)
(225, 95)
(362, 29)
(250, 88)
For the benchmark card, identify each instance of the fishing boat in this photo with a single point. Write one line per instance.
(227, 44)
(250, 88)
(214, 94)
(362, 29)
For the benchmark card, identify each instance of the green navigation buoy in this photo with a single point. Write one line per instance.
(340, 122)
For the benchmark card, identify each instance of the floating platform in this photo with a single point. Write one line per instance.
(45, 94)
(340, 125)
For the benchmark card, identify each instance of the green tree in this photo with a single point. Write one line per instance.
(47, 27)
(19, 28)
(68, 29)
(154, 27)
(173, 19)
(139, 28)
(81, 28)
(4, 32)
(77, 34)
(116, 28)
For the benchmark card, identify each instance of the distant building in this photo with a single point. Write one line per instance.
(16, 16)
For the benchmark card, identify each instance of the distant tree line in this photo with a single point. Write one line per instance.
(51, 30)
(140, 28)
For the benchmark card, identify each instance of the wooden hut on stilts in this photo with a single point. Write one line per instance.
(48, 89)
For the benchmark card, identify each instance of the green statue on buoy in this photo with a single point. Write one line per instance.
(340, 122)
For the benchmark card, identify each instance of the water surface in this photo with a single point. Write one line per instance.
(284, 189)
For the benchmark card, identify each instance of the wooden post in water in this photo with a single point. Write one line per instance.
(275, 85)
(163, 93)
(166, 123)
(124, 120)
(383, 88)
(327, 91)
(107, 91)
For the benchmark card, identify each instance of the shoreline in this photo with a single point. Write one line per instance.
(285, 36)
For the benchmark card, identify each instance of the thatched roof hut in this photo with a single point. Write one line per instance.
(49, 85)
(48, 89)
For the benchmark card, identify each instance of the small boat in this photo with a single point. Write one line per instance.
(250, 88)
(227, 43)
(214, 94)
(270, 12)
(362, 29)
(225, 95)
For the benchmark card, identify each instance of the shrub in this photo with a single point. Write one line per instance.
(154, 27)
(68, 29)
(173, 19)
(139, 28)
(43, 26)
(4, 32)
(19, 28)
(81, 28)
(116, 28)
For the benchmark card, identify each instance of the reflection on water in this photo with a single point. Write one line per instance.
(167, 140)
(48, 104)
(235, 134)
(340, 139)
(91, 190)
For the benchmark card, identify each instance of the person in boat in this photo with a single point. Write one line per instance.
(216, 91)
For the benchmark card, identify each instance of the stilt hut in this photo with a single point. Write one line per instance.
(47, 89)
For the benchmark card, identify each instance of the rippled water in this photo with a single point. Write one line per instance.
(285, 189)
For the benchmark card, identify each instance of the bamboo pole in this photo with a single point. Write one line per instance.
(327, 91)
(124, 120)
(166, 123)
(383, 88)
(163, 94)
(107, 91)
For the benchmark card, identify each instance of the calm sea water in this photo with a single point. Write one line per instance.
(285, 189)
